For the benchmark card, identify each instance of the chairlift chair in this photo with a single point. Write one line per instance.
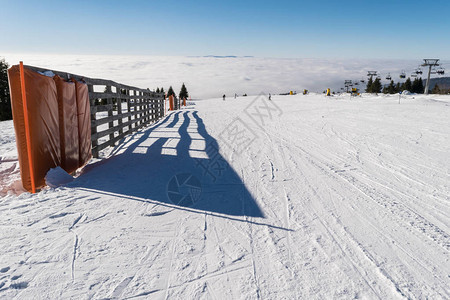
(414, 74)
(388, 77)
(403, 75)
(419, 71)
(440, 71)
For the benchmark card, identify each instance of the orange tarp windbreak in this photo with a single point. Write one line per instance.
(171, 102)
(52, 122)
(36, 123)
(84, 122)
(68, 120)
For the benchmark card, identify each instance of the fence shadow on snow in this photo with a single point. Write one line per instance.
(174, 158)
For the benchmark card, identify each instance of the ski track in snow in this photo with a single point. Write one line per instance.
(337, 197)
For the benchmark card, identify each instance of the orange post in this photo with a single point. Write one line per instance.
(171, 102)
(184, 101)
(27, 127)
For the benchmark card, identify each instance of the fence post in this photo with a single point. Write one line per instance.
(141, 108)
(147, 108)
(94, 143)
(162, 106)
(109, 101)
(119, 108)
(152, 107)
(127, 93)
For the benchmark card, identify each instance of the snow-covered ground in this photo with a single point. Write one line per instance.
(307, 197)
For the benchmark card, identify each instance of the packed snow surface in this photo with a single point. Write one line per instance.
(307, 197)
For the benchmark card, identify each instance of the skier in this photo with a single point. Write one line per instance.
(223, 97)
(270, 96)
(235, 95)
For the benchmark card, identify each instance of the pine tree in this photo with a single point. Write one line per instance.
(162, 90)
(408, 85)
(376, 86)
(5, 103)
(183, 93)
(369, 85)
(414, 86)
(391, 88)
(417, 86)
(420, 86)
(170, 92)
(398, 88)
(436, 90)
(157, 90)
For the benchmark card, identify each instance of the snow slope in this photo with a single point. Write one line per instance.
(302, 197)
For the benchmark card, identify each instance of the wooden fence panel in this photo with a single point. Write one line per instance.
(143, 107)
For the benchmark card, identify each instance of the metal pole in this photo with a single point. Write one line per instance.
(430, 63)
(427, 85)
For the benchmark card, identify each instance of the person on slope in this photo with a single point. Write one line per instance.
(223, 97)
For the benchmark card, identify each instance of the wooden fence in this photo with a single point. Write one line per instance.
(110, 120)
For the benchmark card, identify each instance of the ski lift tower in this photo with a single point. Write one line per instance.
(429, 62)
(371, 74)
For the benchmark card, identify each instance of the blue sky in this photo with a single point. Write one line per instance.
(301, 29)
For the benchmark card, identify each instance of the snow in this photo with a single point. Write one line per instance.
(9, 164)
(57, 177)
(308, 197)
(47, 73)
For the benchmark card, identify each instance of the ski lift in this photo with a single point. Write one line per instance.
(362, 81)
(418, 71)
(440, 71)
(388, 77)
(413, 74)
(403, 75)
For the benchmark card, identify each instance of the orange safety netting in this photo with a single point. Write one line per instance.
(68, 120)
(84, 122)
(171, 102)
(36, 122)
(52, 122)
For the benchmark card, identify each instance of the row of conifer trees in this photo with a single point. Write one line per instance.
(182, 95)
(415, 86)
